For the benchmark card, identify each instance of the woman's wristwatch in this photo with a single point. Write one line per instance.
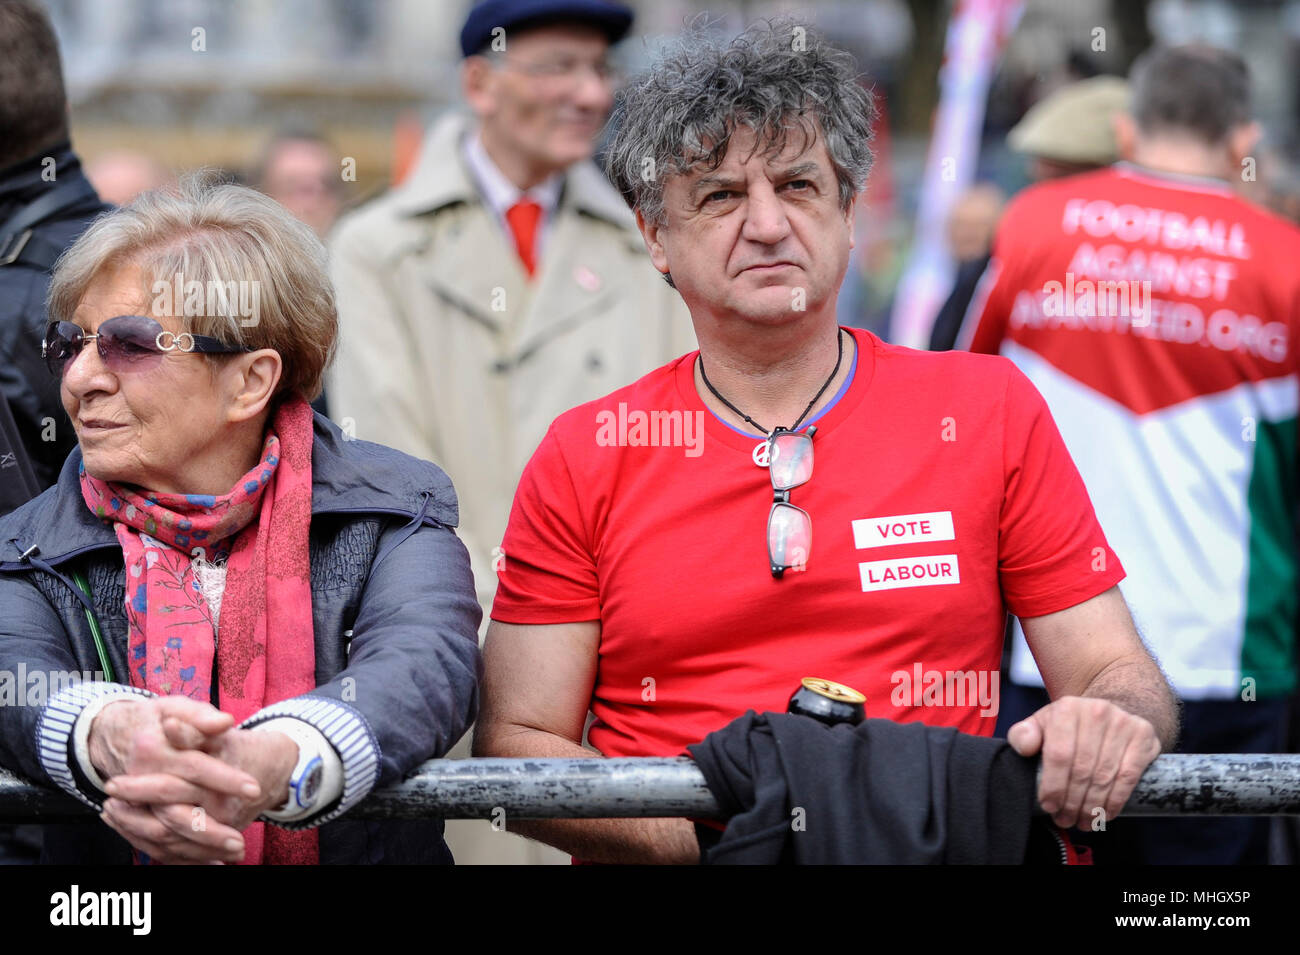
(317, 777)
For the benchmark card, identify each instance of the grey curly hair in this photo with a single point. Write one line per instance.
(776, 78)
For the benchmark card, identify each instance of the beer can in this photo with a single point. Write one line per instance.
(828, 702)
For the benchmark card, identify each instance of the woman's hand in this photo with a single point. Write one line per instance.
(156, 811)
(127, 737)
(171, 803)
(267, 756)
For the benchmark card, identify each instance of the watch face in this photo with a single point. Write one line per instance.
(310, 783)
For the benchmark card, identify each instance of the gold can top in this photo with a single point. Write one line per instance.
(832, 690)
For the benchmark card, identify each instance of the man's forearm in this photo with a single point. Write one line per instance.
(1137, 685)
(644, 841)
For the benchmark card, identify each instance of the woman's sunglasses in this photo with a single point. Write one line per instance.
(125, 343)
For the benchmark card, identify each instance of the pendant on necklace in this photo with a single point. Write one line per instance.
(759, 454)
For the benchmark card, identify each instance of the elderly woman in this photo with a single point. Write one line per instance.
(277, 618)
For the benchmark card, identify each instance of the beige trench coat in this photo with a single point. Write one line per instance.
(448, 352)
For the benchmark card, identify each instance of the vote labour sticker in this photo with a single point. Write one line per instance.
(928, 571)
(903, 529)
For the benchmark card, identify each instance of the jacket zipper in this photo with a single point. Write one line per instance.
(62, 558)
(1060, 842)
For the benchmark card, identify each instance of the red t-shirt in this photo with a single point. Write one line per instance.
(940, 486)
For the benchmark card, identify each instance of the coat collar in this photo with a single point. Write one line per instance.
(440, 178)
(348, 477)
(24, 181)
(577, 277)
(499, 193)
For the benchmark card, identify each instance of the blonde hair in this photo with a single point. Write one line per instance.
(232, 247)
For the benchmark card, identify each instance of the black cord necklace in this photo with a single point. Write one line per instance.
(839, 341)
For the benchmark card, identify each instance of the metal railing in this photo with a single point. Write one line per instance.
(1173, 785)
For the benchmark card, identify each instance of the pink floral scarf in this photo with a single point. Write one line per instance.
(267, 649)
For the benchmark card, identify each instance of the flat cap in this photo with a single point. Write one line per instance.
(488, 15)
(1073, 124)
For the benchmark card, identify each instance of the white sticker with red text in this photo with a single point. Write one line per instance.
(909, 572)
(902, 529)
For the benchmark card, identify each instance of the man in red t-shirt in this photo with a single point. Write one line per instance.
(660, 565)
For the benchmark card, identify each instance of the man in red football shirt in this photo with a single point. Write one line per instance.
(1156, 311)
(660, 565)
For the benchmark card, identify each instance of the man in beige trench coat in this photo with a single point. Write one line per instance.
(449, 349)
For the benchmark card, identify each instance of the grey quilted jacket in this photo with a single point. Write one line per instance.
(395, 616)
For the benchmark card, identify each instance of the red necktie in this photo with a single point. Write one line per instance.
(523, 217)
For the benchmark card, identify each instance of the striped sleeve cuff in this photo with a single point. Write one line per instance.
(54, 732)
(350, 735)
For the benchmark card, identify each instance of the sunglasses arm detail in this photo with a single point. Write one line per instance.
(186, 342)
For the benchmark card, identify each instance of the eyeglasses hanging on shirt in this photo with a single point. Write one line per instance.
(790, 464)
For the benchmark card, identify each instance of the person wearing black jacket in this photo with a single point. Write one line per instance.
(46, 202)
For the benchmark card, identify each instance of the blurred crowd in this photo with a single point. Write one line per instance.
(499, 279)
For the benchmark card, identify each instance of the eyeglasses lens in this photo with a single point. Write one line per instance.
(125, 342)
(789, 537)
(790, 459)
(129, 340)
(62, 342)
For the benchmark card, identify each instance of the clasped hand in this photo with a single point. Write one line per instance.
(183, 782)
